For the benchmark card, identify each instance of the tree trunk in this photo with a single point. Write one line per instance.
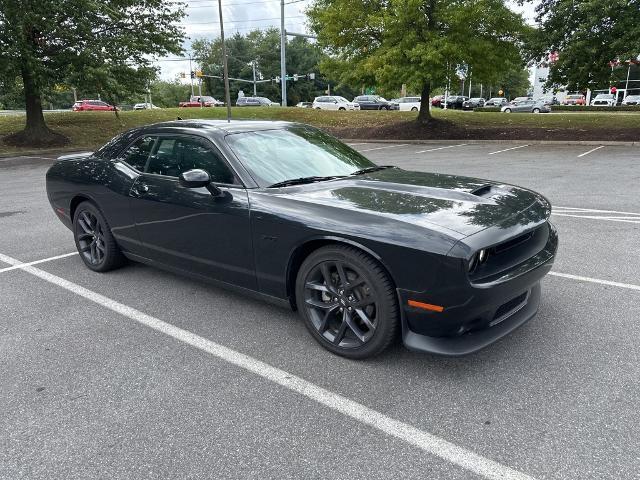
(35, 133)
(424, 116)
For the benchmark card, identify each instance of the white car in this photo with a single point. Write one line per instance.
(631, 100)
(604, 100)
(334, 103)
(408, 104)
(145, 106)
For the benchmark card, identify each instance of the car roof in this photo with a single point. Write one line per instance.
(220, 126)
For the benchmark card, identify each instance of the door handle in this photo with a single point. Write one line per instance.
(142, 188)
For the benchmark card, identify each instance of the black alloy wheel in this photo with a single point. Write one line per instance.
(94, 241)
(347, 301)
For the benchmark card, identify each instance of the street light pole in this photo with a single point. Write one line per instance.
(283, 58)
(255, 93)
(224, 65)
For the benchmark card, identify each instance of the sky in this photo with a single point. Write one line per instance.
(202, 21)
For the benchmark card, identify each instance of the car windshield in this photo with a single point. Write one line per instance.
(263, 100)
(342, 99)
(273, 156)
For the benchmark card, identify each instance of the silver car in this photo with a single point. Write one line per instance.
(526, 106)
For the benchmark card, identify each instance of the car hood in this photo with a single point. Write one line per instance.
(460, 205)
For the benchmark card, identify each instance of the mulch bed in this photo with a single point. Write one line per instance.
(445, 130)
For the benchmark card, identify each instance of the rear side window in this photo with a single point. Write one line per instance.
(137, 154)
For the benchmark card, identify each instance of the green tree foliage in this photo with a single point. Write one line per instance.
(95, 45)
(421, 43)
(587, 35)
(169, 94)
(263, 48)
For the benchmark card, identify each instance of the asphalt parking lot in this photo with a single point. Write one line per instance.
(139, 373)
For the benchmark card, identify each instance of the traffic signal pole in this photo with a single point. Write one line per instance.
(283, 61)
(227, 94)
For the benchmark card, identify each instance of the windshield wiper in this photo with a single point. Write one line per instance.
(372, 169)
(302, 180)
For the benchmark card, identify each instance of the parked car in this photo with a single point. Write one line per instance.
(334, 102)
(526, 106)
(198, 101)
(255, 102)
(496, 102)
(472, 103)
(407, 104)
(604, 100)
(631, 100)
(304, 104)
(454, 101)
(293, 215)
(374, 102)
(574, 99)
(437, 100)
(145, 106)
(548, 100)
(92, 106)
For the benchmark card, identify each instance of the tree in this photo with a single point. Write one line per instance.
(422, 43)
(588, 36)
(169, 94)
(263, 48)
(95, 45)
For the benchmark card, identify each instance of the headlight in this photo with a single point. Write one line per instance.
(478, 258)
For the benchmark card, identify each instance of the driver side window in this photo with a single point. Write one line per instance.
(175, 155)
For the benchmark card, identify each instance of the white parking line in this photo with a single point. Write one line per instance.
(580, 278)
(381, 148)
(21, 265)
(592, 150)
(354, 144)
(507, 149)
(594, 217)
(593, 210)
(441, 148)
(425, 441)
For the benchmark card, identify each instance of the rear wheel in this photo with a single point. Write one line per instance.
(347, 301)
(536, 110)
(414, 109)
(342, 108)
(507, 110)
(94, 241)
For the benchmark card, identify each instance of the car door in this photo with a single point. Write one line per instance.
(191, 229)
(365, 102)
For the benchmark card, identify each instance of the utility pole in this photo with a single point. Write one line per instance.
(200, 92)
(224, 64)
(190, 74)
(255, 93)
(283, 58)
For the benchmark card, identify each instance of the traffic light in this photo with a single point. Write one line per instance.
(183, 75)
(199, 74)
(193, 74)
(312, 76)
(295, 77)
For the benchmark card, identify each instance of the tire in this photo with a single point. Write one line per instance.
(414, 109)
(357, 318)
(536, 110)
(318, 108)
(95, 243)
(342, 108)
(507, 110)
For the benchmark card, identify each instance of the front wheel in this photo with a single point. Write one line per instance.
(414, 109)
(347, 301)
(507, 110)
(342, 108)
(95, 243)
(536, 110)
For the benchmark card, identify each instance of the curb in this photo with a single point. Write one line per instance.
(494, 142)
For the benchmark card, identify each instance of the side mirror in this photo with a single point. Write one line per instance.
(195, 178)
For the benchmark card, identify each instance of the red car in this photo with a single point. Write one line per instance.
(437, 100)
(92, 105)
(574, 99)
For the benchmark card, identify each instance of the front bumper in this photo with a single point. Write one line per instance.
(476, 315)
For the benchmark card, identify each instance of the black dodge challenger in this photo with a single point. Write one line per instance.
(286, 212)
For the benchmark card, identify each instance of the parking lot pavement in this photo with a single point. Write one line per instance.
(88, 391)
